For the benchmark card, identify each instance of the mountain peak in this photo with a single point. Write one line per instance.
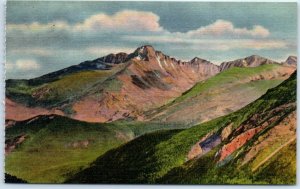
(145, 49)
(143, 53)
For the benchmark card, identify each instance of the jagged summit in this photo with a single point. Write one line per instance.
(143, 53)
(148, 53)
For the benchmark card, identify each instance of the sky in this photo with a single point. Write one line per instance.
(45, 36)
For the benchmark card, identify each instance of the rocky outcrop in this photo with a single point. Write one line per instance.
(208, 142)
(226, 131)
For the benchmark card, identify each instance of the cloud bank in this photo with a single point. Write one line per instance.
(124, 21)
(226, 28)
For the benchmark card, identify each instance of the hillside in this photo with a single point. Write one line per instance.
(254, 145)
(51, 148)
(54, 96)
(222, 94)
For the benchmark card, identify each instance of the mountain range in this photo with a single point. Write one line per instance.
(146, 117)
(131, 86)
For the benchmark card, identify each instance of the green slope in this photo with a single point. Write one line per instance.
(224, 78)
(54, 148)
(148, 160)
(202, 102)
(49, 153)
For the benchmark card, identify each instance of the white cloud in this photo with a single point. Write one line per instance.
(123, 21)
(26, 65)
(126, 20)
(220, 35)
(139, 21)
(226, 28)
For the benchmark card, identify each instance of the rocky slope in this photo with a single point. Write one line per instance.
(255, 145)
(149, 80)
(111, 87)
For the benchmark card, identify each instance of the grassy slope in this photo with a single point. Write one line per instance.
(229, 79)
(229, 76)
(45, 155)
(149, 161)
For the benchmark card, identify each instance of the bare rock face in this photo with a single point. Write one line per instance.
(251, 61)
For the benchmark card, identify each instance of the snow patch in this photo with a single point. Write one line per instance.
(159, 63)
(165, 63)
(139, 57)
(141, 50)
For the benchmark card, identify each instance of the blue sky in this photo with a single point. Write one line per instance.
(47, 36)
